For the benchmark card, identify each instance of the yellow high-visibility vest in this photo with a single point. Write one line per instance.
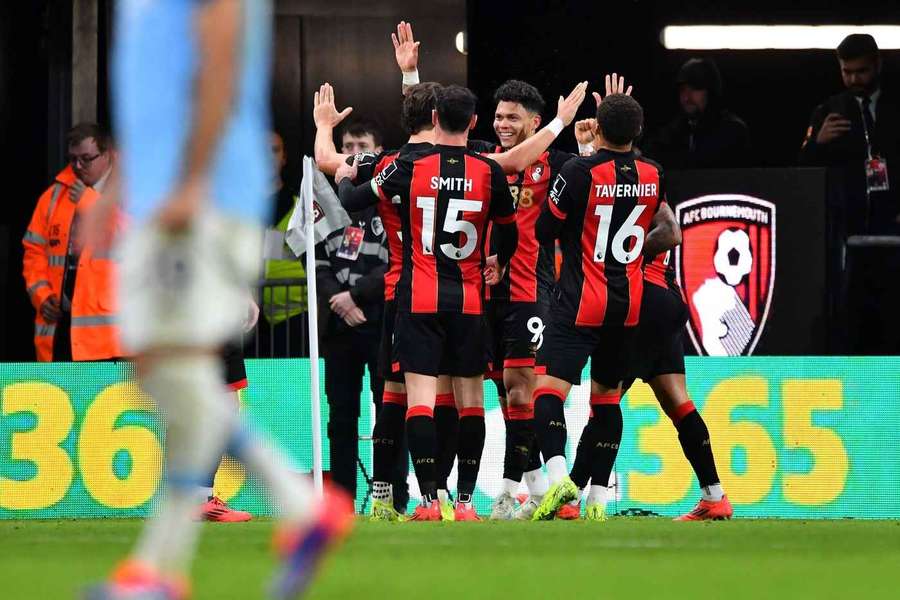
(285, 266)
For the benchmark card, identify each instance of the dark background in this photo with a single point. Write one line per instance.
(551, 44)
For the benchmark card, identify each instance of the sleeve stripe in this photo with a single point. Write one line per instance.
(505, 220)
(555, 210)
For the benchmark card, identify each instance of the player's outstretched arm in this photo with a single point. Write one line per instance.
(327, 117)
(406, 51)
(664, 232)
(525, 154)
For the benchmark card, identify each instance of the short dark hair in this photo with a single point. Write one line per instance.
(522, 93)
(455, 106)
(362, 127)
(83, 131)
(415, 115)
(620, 119)
(857, 45)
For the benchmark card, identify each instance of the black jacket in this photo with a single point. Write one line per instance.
(846, 156)
(363, 277)
(718, 139)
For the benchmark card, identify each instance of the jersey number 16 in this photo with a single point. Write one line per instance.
(629, 229)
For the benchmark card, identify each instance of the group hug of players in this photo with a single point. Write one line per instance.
(472, 292)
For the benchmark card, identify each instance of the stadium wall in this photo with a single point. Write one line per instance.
(798, 437)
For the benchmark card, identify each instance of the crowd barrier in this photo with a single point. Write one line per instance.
(795, 437)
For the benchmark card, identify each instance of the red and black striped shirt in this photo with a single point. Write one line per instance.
(532, 266)
(606, 203)
(446, 195)
(369, 165)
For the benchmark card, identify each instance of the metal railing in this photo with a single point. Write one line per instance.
(286, 339)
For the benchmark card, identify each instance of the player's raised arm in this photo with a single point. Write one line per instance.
(664, 232)
(406, 51)
(525, 154)
(327, 117)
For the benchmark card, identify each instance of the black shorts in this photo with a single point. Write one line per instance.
(386, 345)
(233, 360)
(515, 332)
(660, 345)
(567, 348)
(442, 343)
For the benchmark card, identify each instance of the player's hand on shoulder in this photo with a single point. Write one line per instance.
(345, 171)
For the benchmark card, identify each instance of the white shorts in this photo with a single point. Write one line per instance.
(186, 289)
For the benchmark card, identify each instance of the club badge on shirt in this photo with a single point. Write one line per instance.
(352, 242)
(877, 175)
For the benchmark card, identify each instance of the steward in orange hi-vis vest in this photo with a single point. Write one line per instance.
(47, 243)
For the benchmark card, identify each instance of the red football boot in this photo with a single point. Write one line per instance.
(709, 511)
(465, 512)
(427, 512)
(569, 512)
(216, 510)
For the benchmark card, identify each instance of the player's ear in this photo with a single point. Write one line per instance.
(472, 122)
(536, 122)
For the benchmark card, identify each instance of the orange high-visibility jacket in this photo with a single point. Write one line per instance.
(94, 333)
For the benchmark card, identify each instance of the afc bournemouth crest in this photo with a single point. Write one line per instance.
(726, 267)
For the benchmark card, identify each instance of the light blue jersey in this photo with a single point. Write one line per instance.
(154, 72)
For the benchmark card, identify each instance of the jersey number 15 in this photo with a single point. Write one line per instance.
(453, 223)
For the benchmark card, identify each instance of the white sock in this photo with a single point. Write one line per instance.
(511, 487)
(597, 495)
(557, 469)
(712, 493)
(381, 490)
(207, 492)
(188, 390)
(536, 482)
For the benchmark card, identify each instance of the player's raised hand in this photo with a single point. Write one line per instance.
(325, 113)
(345, 171)
(614, 85)
(568, 106)
(406, 48)
(585, 130)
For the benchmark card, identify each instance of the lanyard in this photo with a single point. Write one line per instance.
(862, 113)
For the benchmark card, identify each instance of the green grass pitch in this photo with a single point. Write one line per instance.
(642, 558)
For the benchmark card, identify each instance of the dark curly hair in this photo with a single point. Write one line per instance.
(620, 119)
(524, 93)
(415, 115)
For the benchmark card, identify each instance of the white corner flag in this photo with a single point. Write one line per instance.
(319, 214)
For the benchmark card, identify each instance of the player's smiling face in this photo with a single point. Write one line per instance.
(513, 124)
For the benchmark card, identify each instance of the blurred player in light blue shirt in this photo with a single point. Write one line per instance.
(191, 97)
(154, 85)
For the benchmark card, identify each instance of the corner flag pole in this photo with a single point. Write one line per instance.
(306, 193)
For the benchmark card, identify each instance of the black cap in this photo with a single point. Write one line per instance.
(701, 74)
